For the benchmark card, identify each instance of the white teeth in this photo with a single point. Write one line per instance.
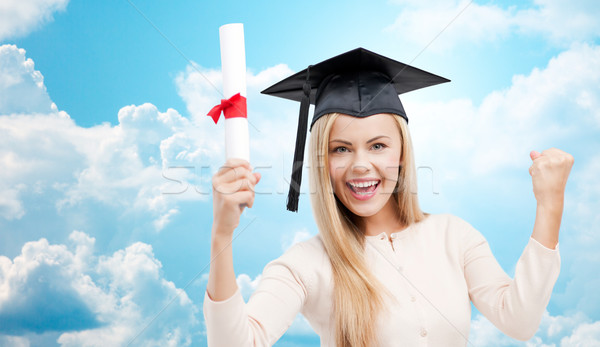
(363, 184)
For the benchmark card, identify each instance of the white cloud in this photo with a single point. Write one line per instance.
(554, 331)
(11, 206)
(40, 291)
(247, 285)
(118, 166)
(164, 219)
(125, 163)
(561, 21)
(95, 301)
(22, 86)
(554, 327)
(579, 237)
(14, 341)
(538, 111)
(583, 201)
(558, 21)
(46, 156)
(200, 89)
(290, 239)
(421, 22)
(20, 17)
(587, 335)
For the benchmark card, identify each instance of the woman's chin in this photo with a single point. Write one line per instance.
(367, 210)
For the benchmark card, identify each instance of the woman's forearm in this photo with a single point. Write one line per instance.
(221, 277)
(233, 190)
(547, 224)
(549, 173)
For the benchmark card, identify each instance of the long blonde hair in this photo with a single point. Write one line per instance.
(358, 295)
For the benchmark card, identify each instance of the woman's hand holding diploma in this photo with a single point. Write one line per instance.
(233, 189)
(549, 173)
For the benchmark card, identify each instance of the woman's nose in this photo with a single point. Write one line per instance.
(360, 163)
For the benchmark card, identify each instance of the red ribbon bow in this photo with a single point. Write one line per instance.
(235, 106)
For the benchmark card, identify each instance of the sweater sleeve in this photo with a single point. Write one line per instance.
(279, 297)
(515, 306)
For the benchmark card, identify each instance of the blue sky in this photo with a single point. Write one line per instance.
(107, 154)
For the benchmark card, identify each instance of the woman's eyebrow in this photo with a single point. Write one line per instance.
(350, 143)
(342, 141)
(377, 138)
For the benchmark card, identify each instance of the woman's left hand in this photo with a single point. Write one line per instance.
(549, 173)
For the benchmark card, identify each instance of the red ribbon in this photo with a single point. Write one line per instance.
(235, 106)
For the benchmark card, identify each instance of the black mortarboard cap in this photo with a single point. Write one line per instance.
(358, 83)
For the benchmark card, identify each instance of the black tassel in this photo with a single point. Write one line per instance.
(294, 192)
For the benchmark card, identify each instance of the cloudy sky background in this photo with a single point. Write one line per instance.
(106, 154)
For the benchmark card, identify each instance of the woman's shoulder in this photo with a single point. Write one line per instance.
(307, 250)
(307, 261)
(449, 224)
(446, 220)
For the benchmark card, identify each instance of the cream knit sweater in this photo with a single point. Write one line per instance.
(433, 268)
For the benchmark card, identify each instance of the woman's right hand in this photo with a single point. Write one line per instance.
(233, 190)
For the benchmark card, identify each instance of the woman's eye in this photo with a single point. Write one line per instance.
(340, 150)
(378, 146)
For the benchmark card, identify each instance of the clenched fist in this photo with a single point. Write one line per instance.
(233, 190)
(549, 173)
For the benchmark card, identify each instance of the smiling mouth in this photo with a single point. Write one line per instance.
(363, 188)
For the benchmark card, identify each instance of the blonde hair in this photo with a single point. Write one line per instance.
(358, 295)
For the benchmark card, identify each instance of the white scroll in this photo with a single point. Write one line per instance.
(233, 67)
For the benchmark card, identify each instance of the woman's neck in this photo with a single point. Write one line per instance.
(386, 220)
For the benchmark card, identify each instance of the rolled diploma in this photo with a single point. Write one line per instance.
(233, 66)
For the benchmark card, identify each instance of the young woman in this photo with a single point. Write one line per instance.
(381, 272)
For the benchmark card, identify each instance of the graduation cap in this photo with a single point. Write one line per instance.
(357, 83)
